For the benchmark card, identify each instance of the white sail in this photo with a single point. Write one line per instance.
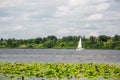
(79, 44)
(79, 47)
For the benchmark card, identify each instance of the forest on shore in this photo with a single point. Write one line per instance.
(66, 42)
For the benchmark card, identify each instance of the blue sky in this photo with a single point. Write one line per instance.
(38, 18)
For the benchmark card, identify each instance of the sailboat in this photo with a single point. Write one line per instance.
(79, 47)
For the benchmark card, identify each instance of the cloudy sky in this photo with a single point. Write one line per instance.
(39, 18)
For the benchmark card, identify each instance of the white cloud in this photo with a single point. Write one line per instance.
(6, 18)
(11, 3)
(26, 15)
(93, 33)
(5, 4)
(19, 27)
(63, 31)
(68, 31)
(102, 7)
(77, 2)
(62, 11)
(82, 8)
(28, 3)
(72, 2)
(84, 2)
(112, 15)
(96, 16)
(59, 17)
(98, 1)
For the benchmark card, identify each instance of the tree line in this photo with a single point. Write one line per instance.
(66, 42)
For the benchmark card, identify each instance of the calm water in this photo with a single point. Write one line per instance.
(59, 55)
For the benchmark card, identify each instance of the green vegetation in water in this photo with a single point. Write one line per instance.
(59, 70)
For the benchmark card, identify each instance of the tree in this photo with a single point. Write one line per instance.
(3, 44)
(103, 38)
(93, 40)
(52, 37)
(108, 44)
(49, 43)
(100, 42)
(116, 38)
(9, 43)
(38, 40)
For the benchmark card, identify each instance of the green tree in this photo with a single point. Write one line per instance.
(108, 44)
(101, 42)
(49, 44)
(38, 40)
(52, 37)
(93, 40)
(116, 38)
(103, 38)
(3, 44)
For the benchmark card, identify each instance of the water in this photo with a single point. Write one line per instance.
(59, 55)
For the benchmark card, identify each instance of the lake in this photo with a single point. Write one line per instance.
(59, 55)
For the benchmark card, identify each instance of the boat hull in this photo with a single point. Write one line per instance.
(80, 49)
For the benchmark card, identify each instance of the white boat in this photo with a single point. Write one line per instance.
(79, 47)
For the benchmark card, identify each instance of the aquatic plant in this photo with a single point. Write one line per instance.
(59, 70)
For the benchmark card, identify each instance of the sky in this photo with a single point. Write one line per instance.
(24, 19)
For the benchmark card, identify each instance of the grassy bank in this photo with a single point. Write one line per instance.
(59, 70)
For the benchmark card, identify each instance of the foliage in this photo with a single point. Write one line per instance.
(92, 42)
(59, 70)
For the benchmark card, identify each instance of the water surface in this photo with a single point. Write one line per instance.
(59, 55)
